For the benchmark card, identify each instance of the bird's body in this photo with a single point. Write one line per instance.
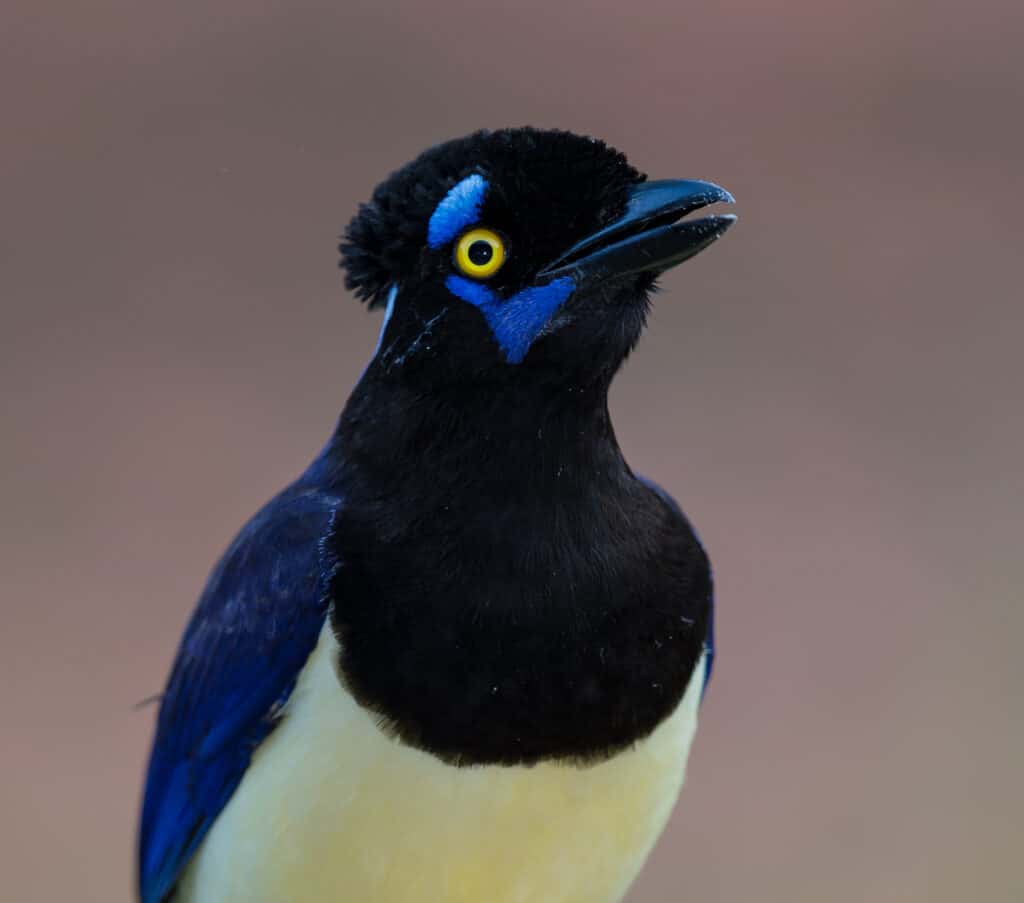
(459, 659)
(391, 824)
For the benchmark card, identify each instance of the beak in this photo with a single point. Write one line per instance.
(648, 237)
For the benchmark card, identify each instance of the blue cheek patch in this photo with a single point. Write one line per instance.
(515, 322)
(458, 210)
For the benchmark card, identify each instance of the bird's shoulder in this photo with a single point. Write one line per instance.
(250, 635)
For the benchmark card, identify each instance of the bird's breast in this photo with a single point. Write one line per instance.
(334, 809)
(559, 625)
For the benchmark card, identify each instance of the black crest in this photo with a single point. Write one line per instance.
(384, 242)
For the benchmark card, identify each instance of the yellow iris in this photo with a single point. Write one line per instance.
(480, 253)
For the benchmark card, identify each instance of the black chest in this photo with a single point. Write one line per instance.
(508, 597)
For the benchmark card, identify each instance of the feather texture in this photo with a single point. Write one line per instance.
(255, 626)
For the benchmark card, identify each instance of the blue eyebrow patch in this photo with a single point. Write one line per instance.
(514, 322)
(459, 209)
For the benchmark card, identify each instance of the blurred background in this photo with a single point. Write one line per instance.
(833, 392)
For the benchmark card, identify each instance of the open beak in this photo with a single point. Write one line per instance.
(650, 237)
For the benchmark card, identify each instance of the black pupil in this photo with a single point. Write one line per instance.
(480, 252)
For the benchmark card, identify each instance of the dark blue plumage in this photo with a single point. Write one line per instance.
(253, 630)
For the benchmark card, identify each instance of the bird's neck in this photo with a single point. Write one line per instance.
(400, 441)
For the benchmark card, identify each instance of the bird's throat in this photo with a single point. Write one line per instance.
(431, 447)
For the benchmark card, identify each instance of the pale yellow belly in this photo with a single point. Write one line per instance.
(331, 809)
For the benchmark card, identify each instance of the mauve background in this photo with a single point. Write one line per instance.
(833, 392)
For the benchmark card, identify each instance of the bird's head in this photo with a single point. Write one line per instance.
(519, 251)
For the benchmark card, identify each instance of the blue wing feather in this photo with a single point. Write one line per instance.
(709, 638)
(252, 631)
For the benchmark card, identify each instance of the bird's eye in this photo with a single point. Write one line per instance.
(480, 253)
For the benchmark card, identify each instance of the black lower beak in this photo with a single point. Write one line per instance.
(648, 237)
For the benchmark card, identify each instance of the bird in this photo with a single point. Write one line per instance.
(460, 658)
